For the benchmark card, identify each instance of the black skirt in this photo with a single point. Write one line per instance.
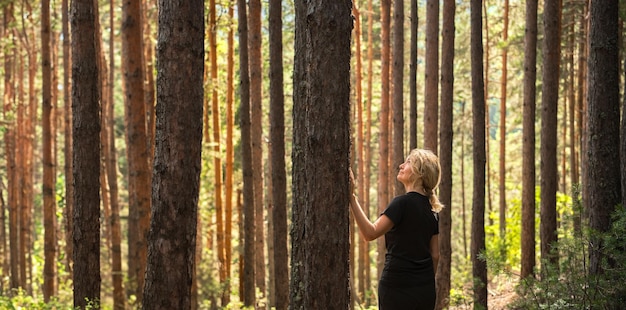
(407, 284)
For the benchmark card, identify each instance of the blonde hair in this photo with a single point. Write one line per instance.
(425, 163)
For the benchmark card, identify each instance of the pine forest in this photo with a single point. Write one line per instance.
(203, 154)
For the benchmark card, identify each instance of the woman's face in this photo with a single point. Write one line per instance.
(405, 174)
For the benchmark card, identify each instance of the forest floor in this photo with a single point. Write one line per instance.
(500, 294)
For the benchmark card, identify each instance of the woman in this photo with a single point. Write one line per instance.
(411, 229)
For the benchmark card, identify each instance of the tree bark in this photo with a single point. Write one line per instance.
(384, 178)
(413, 78)
(86, 157)
(49, 171)
(479, 267)
(445, 155)
(321, 153)
(176, 181)
(431, 83)
(277, 145)
(397, 153)
(549, 101)
(528, 141)
(603, 165)
(503, 94)
(248, 294)
(137, 145)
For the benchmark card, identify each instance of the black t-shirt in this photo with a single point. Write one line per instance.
(408, 261)
(414, 224)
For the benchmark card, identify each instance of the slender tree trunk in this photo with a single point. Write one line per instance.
(178, 146)
(528, 141)
(413, 78)
(431, 81)
(363, 246)
(398, 91)
(86, 158)
(137, 145)
(248, 273)
(217, 150)
(479, 267)
(503, 93)
(230, 150)
(549, 101)
(277, 138)
(49, 179)
(603, 166)
(256, 137)
(383, 140)
(445, 155)
(67, 106)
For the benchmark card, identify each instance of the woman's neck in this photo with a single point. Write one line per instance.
(418, 189)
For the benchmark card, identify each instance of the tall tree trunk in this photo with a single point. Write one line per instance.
(86, 158)
(67, 107)
(603, 162)
(10, 144)
(383, 140)
(178, 147)
(413, 78)
(256, 138)
(445, 155)
(479, 267)
(549, 101)
(363, 245)
(486, 64)
(230, 150)
(49, 179)
(528, 141)
(431, 82)
(321, 120)
(119, 297)
(277, 145)
(368, 136)
(397, 154)
(248, 294)
(217, 150)
(137, 145)
(503, 93)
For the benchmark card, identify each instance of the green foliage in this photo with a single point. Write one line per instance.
(569, 285)
(21, 300)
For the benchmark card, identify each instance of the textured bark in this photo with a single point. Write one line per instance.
(277, 145)
(256, 137)
(178, 146)
(119, 297)
(217, 151)
(384, 177)
(86, 157)
(320, 231)
(503, 93)
(137, 145)
(49, 171)
(479, 267)
(248, 268)
(431, 80)
(67, 150)
(549, 102)
(230, 150)
(10, 146)
(413, 78)
(397, 154)
(603, 165)
(445, 155)
(528, 141)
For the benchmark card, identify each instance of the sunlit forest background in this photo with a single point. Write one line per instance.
(546, 272)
